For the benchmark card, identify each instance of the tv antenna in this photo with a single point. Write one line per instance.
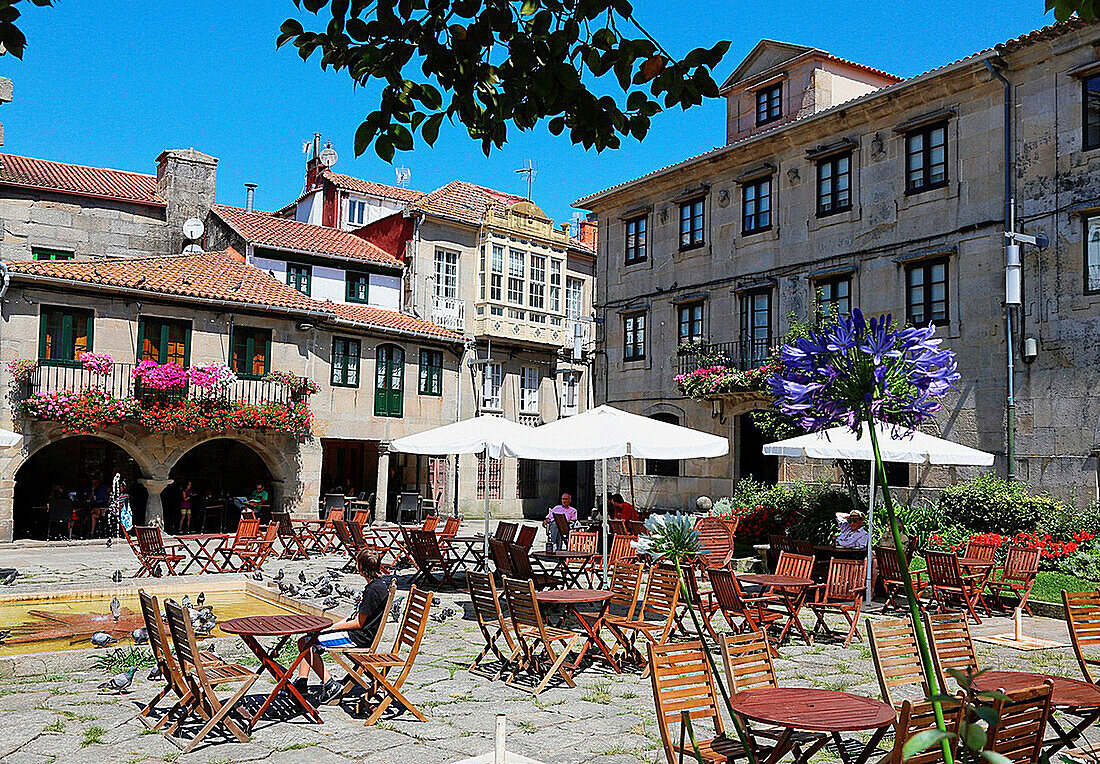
(530, 170)
(403, 175)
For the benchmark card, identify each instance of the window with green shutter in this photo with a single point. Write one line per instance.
(389, 380)
(64, 333)
(250, 352)
(431, 372)
(299, 277)
(358, 287)
(45, 253)
(345, 362)
(164, 340)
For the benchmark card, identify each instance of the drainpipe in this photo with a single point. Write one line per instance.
(1012, 275)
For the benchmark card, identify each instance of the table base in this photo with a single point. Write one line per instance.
(281, 675)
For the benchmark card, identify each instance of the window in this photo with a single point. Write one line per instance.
(926, 158)
(299, 276)
(357, 211)
(491, 382)
(691, 321)
(574, 297)
(250, 351)
(834, 296)
(691, 224)
(555, 286)
(431, 372)
(515, 276)
(488, 477)
(1092, 255)
(527, 479)
(446, 273)
(357, 287)
(389, 381)
(756, 327)
(497, 276)
(529, 390)
(926, 292)
(64, 334)
(1091, 120)
(635, 240)
(634, 337)
(345, 362)
(163, 340)
(663, 467)
(536, 286)
(769, 103)
(834, 180)
(42, 253)
(569, 384)
(756, 206)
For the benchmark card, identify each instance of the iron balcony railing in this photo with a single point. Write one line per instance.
(73, 377)
(746, 353)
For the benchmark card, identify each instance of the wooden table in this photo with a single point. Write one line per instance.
(1073, 696)
(467, 549)
(283, 627)
(792, 589)
(806, 709)
(571, 576)
(201, 547)
(575, 601)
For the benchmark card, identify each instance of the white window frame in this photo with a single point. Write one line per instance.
(555, 285)
(574, 297)
(360, 206)
(491, 384)
(570, 383)
(529, 390)
(496, 277)
(536, 282)
(446, 273)
(517, 267)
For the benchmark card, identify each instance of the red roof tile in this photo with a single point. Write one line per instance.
(349, 183)
(77, 179)
(265, 230)
(465, 201)
(381, 318)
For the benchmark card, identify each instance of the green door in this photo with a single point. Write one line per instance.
(389, 381)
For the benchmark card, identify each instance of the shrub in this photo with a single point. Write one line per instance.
(990, 504)
(803, 510)
(1065, 521)
(1083, 563)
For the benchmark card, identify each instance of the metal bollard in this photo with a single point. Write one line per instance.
(498, 752)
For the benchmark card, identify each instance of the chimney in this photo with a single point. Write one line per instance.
(249, 197)
(185, 181)
(313, 164)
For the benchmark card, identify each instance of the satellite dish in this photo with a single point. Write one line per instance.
(193, 228)
(192, 249)
(327, 156)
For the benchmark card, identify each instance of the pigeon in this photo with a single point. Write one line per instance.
(120, 683)
(116, 608)
(117, 576)
(331, 602)
(102, 639)
(279, 576)
(110, 541)
(154, 675)
(10, 578)
(284, 588)
(201, 599)
(436, 601)
(302, 577)
(186, 602)
(4, 635)
(395, 610)
(325, 590)
(258, 576)
(140, 636)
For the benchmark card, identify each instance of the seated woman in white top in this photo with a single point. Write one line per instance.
(853, 532)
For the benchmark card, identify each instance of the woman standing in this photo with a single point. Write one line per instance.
(186, 497)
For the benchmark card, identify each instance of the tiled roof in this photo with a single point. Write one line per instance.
(349, 183)
(77, 179)
(465, 201)
(265, 230)
(1045, 33)
(209, 276)
(380, 318)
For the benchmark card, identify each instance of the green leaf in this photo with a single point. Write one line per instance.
(383, 147)
(922, 741)
(529, 7)
(363, 136)
(995, 758)
(401, 137)
(975, 737)
(430, 130)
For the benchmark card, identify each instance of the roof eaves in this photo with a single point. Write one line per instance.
(159, 204)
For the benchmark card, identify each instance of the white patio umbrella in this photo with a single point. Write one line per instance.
(9, 438)
(607, 432)
(481, 434)
(909, 446)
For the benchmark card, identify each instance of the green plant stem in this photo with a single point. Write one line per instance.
(741, 734)
(910, 592)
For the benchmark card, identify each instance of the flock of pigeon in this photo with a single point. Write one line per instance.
(202, 616)
(333, 594)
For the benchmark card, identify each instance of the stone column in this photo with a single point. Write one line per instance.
(382, 482)
(154, 506)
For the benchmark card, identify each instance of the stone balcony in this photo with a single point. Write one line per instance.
(521, 325)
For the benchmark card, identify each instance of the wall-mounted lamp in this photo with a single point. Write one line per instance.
(1031, 349)
(304, 326)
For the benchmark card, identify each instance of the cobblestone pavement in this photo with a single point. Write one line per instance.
(606, 719)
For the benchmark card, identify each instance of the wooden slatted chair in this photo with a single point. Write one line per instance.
(742, 612)
(583, 541)
(294, 545)
(843, 593)
(562, 526)
(256, 553)
(383, 674)
(490, 620)
(980, 550)
(919, 716)
(537, 655)
(389, 555)
(948, 583)
(716, 542)
(203, 679)
(523, 569)
(747, 658)
(450, 527)
(622, 549)
(526, 535)
(951, 645)
(248, 528)
(174, 682)
(502, 559)
(655, 617)
(796, 565)
(683, 688)
(626, 585)
(889, 572)
(897, 657)
(506, 531)
(636, 528)
(1082, 613)
(1017, 576)
(617, 527)
(1020, 723)
(343, 532)
(429, 557)
(360, 516)
(154, 553)
(431, 522)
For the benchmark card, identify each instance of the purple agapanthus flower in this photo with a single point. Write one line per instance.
(855, 369)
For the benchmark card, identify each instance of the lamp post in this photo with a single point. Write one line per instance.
(1013, 299)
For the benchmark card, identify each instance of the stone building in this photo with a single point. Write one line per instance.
(841, 186)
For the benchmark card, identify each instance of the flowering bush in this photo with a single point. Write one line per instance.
(79, 412)
(160, 377)
(705, 382)
(22, 369)
(1051, 551)
(212, 377)
(97, 363)
(297, 386)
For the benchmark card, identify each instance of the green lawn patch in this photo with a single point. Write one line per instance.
(1049, 585)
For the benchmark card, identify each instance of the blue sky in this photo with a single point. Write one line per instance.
(111, 84)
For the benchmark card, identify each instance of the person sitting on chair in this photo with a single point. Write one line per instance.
(98, 499)
(253, 502)
(358, 630)
(621, 509)
(853, 534)
(567, 509)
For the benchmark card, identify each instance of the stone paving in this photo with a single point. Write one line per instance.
(606, 719)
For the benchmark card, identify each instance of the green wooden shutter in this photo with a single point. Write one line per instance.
(43, 321)
(381, 374)
(397, 382)
(140, 338)
(91, 326)
(186, 345)
(267, 351)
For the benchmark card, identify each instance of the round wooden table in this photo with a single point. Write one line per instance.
(771, 579)
(1069, 695)
(250, 629)
(588, 606)
(808, 709)
(571, 576)
(793, 591)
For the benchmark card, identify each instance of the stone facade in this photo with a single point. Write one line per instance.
(890, 232)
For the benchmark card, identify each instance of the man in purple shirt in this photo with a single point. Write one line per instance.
(565, 508)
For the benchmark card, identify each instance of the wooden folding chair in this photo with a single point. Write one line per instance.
(203, 679)
(562, 524)
(843, 593)
(1020, 722)
(742, 613)
(1082, 611)
(583, 541)
(1017, 576)
(920, 716)
(948, 583)
(486, 603)
(889, 573)
(326, 534)
(502, 558)
(506, 531)
(656, 615)
(795, 565)
(617, 527)
(153, 552)
(256, 553)
(343, 532)
(450, 527)
(294, 545)
(363, 537)
(980, 550)
(622, 549)
(372, 670)
(897, 657)
(951, 645)
(535, 639)
(526, 536)
(429, 557)
(747, 658)
(248, 528)
(716, 541)
(683, 689)
(523, 569)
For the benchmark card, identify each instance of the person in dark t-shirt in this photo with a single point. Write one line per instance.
(358, 630)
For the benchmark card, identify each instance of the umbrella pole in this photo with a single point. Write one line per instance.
(486, 490)
(870, 533)
(603, 502)
(630, 471)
